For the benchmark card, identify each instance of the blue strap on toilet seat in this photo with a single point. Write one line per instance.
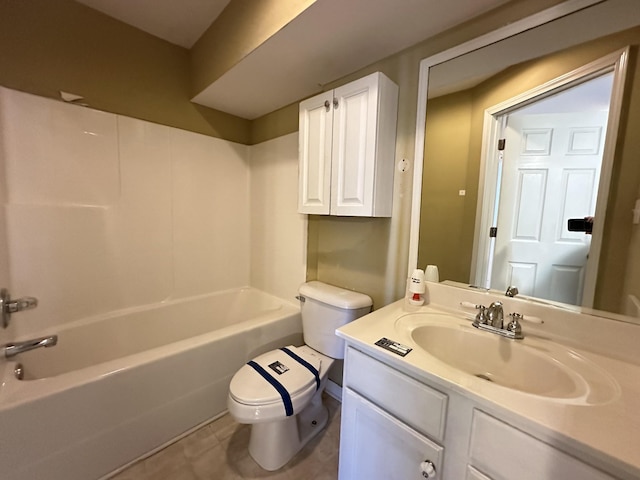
(286, 398)
(305, 364)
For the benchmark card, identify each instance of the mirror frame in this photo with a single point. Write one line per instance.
(527, 23)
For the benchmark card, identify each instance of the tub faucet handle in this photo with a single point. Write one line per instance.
(8, 306)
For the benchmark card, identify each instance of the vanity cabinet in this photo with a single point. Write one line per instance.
(347, 149)
(393, 422)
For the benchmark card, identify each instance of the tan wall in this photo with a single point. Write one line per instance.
(508, 84)
(621, 250)
(377, 265)
(443, 235)
(61, 45)
(281, 122)
(632, 277)
(47, 46)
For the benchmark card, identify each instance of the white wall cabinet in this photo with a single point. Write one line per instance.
(392, 423)
(346, 144)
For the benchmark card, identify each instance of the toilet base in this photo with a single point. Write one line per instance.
(273, 444)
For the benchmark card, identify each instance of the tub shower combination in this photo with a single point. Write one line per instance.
(120, 386)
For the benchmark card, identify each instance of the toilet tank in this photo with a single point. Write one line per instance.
(324, 309)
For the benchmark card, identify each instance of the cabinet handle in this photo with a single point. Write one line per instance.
(428, 469)
(335, 103)
(327, 105)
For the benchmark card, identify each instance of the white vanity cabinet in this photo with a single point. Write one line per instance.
(392, 423)
(347, 149)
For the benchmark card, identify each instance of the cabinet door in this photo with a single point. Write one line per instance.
(504, 453)
(473, 474)
(376, 446)
(314, 144)
(354, 147)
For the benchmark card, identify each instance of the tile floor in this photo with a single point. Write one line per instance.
(218, 451)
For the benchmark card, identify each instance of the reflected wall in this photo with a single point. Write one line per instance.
(452, 163)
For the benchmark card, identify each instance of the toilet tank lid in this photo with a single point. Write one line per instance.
(335, 296)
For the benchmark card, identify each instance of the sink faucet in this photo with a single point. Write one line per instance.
(491, 319)
(13, 349)
(495, 315)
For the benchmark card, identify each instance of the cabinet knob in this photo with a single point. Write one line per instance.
(335, 103)
(428, 469)
(327, 105)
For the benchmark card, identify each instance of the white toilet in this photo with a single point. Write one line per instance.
(279, 392)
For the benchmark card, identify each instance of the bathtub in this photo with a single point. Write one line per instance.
(121, 385)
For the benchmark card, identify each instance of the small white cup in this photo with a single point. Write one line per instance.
(431, 274)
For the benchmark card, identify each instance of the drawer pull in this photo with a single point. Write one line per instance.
(428, 469)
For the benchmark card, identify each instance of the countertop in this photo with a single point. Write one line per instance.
(606, 429)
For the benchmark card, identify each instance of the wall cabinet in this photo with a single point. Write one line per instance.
(346, 144)
(392, 423)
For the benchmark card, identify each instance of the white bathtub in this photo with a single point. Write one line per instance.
(119, 386)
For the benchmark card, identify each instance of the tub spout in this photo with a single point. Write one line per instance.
(13, 349)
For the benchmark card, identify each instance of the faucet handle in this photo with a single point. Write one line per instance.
(482, 317)
(531, 319)
(471, 305)
(514, 325)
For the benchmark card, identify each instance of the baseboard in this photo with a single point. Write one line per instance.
(334, 390)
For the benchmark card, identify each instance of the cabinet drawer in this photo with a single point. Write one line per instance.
(504, 452)
(412, 402)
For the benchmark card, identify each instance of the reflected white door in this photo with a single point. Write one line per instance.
(551, 173)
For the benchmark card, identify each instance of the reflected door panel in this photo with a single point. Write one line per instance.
(550, 174)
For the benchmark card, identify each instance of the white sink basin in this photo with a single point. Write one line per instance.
(535, 367)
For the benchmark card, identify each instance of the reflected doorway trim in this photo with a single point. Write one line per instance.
(545, 16)
(615, 63)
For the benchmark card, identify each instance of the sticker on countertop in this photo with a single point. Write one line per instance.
(394, 347)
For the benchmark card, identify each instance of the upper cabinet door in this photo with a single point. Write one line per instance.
(347, 149)
(354, 138)
(314, 144)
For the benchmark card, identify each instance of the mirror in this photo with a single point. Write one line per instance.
(455, 190)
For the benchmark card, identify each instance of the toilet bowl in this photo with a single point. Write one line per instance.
(279, 431)
(280, 392)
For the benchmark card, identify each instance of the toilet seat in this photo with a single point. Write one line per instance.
(293, 369)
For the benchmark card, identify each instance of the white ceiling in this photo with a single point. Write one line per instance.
(180, 22)
(329, 40)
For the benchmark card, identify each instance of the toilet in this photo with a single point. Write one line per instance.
(280, 392)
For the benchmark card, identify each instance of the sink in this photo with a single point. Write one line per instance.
(497, 360)
(531, 366)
